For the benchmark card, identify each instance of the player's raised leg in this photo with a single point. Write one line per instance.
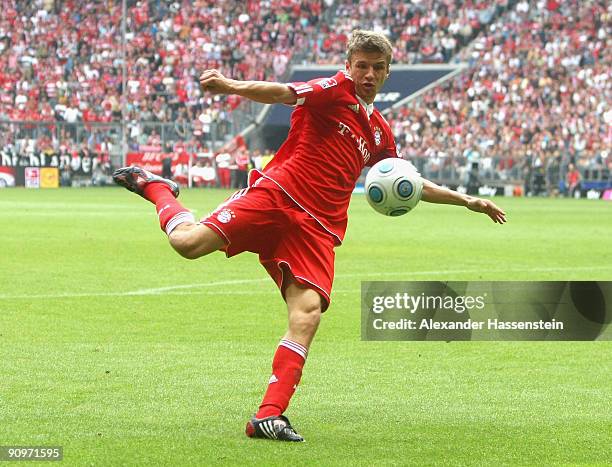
(304, 313)
(193, 241)
(190, 239)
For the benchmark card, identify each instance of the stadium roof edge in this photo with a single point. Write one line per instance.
(455, 70)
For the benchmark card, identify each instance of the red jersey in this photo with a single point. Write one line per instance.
(331, 139)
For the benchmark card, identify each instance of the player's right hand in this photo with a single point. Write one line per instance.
(213, 81)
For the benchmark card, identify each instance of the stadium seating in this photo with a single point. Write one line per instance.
(534, 97)
(426, 31)
(74, 73)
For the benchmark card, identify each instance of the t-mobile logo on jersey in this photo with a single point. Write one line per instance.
(360, 142)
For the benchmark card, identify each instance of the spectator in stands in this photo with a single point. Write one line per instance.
(167, 166)
(203, 173)
(224, 161)
(553, 174)
(572, 180)
(242, 167)
(101, 173)
(181, 172)
(65, 176)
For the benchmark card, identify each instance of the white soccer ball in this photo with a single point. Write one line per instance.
(393, 186)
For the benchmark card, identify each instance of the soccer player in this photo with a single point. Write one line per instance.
(294, 212)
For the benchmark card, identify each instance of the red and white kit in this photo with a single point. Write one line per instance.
(294, 212)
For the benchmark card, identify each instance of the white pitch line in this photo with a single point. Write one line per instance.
(159, 290)
(169, 290)
(132, 294)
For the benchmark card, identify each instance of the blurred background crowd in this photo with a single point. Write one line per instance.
(533, 104)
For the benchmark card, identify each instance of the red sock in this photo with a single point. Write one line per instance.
(286, 373)
(171, 213)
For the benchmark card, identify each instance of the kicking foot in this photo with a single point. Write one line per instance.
(136, 179)
(277, 428)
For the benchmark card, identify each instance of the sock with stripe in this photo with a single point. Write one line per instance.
(171, 213)
(286, 373)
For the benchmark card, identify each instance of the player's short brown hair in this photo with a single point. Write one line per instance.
(369, 41)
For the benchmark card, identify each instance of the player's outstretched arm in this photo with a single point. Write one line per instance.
(433, 193)
(258, 91)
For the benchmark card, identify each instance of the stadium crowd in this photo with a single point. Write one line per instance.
(536, 95)
(536, 99)
(62, 60)
(425, 31)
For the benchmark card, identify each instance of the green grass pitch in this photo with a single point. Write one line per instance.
(122, 352)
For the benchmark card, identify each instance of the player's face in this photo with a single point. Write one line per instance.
(369, 71)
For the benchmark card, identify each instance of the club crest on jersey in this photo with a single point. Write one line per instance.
(354, 108)
(225, 215)
(377, 137)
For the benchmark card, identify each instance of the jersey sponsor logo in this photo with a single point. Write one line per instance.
(343, 128)
(327, 83)
(361, 143)
(225, 215)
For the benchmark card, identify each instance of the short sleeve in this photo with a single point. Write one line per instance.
(316, 92)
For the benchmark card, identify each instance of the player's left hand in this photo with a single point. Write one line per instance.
(487, 207)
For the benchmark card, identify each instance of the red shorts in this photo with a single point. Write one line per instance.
(263, 219)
